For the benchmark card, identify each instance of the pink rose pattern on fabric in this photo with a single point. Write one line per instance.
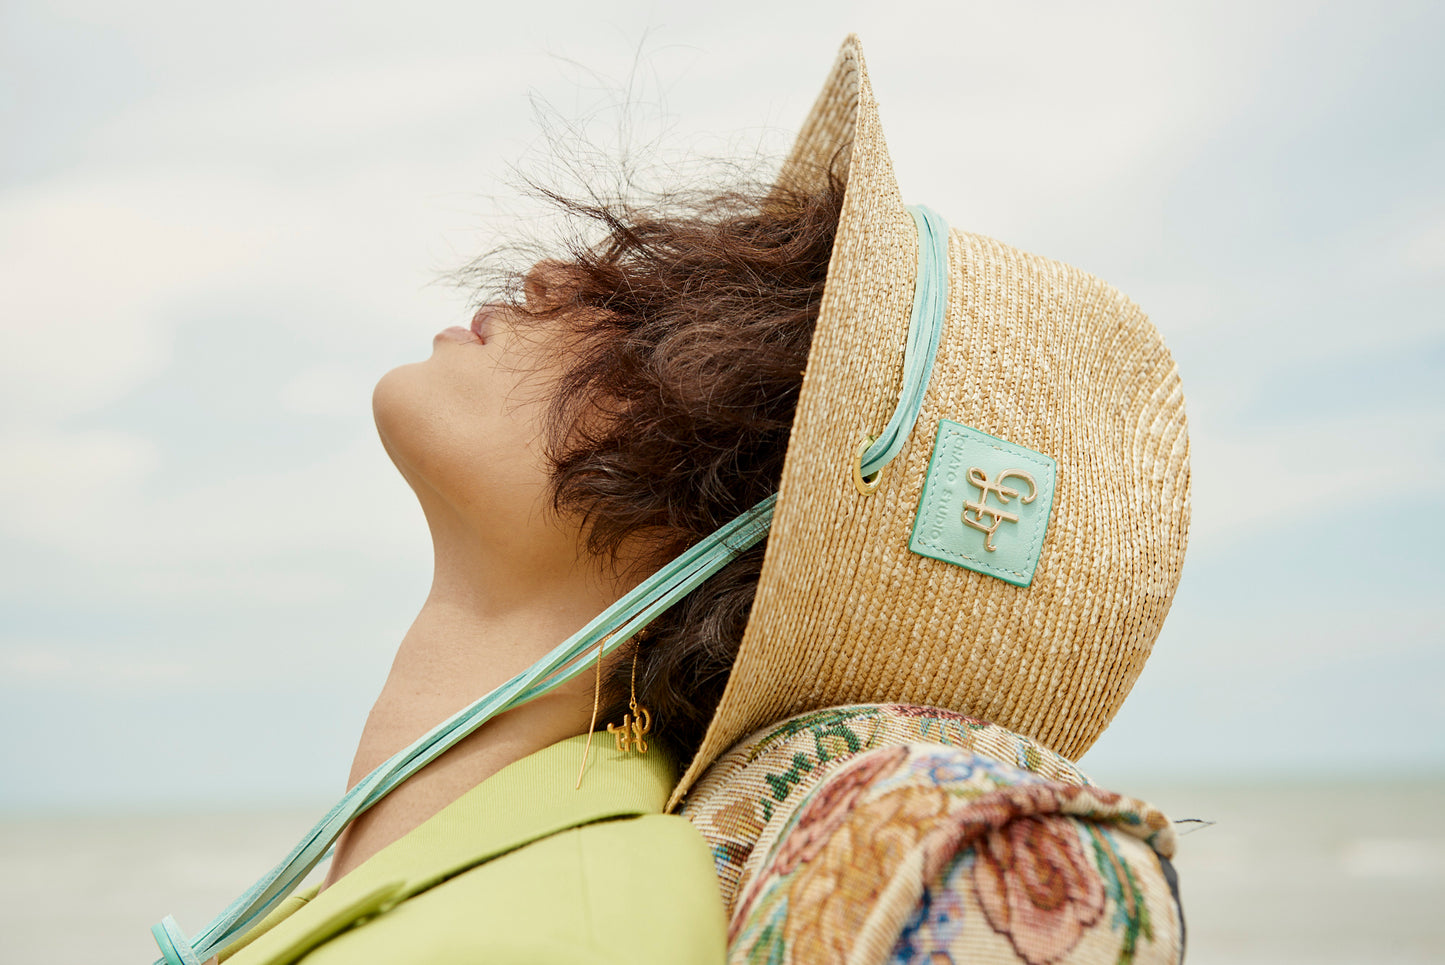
(1037, 887)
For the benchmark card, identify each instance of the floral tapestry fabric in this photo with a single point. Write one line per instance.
(881, 834)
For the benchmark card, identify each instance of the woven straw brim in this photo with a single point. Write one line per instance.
(1035, 352)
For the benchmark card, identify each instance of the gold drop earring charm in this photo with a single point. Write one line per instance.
(636, 725)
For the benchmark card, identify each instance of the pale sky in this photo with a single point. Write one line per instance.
(219, 226)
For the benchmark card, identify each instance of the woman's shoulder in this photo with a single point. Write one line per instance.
(526, 867)
(637, 890)
(657, 869)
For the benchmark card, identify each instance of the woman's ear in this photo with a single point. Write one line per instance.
(549, 286)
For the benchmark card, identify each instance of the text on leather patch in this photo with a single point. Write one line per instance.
(985, 504)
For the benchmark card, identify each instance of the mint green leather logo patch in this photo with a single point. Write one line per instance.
(985, 504)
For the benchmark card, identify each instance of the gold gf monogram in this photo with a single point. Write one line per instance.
(630, 735)
(977, 477)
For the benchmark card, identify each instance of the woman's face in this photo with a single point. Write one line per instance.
(466, 429)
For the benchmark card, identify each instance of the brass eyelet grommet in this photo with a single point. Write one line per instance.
(867, 486)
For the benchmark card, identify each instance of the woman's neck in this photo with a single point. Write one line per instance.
(483, 623)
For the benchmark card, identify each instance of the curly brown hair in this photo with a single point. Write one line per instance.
(690, 326)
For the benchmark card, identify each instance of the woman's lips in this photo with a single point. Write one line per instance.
(457, 334)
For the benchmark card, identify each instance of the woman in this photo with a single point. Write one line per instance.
(981, 472)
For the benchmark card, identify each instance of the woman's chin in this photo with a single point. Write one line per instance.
(435, 433)
(397, 404)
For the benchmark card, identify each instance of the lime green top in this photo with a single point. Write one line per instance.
(523, 868)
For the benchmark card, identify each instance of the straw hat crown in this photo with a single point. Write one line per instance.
(1035, 353)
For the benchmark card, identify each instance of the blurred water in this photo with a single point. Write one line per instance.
(1317, 874)
(87, 888)
(1311, 873)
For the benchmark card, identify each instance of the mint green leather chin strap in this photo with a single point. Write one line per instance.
(925, 329)
(609, 630)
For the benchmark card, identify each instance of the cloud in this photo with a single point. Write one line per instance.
(225, 539)
(1423, 248)
(84, 295)
(327, 389)
(43, 666)
(1209, 646)
(347, 115)
(100, 275)
(46, 480)
(1336, 472)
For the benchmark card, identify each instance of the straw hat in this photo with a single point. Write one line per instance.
(1048, 383)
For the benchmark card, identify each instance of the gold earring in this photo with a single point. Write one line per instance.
(596, 703)
(636, 725)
